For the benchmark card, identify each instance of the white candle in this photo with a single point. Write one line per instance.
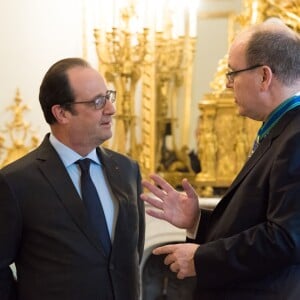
(159, 17)
(149, 14)
(193, 15)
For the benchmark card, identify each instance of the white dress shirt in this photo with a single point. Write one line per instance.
(69, 158)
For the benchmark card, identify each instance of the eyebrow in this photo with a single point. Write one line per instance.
(103, 94)
(99, 95)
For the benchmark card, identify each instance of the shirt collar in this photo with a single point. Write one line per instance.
(69, 156)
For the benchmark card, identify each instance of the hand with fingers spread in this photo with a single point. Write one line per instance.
(178, 208)
(180, 258)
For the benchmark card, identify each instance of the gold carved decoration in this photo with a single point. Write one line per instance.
(123, 64)
(17, 138)
(225, 139)
(259, 10)
(151, 71)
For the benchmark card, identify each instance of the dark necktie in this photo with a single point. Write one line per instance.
(93, 205)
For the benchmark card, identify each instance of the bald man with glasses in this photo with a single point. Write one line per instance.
(248, 247)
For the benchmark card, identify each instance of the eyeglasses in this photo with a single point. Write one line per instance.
(100, 101)
(230, 75)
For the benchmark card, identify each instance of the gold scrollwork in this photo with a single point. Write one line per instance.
(17, 138)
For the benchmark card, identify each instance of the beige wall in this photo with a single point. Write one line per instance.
(33, 35)
(212, 45)
(36, 33)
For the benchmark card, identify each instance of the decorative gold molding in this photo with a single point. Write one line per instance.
(17, 138)
(216, 14)
(157, 70)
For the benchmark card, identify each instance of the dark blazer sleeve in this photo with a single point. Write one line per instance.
(202, 227)
(10, 228)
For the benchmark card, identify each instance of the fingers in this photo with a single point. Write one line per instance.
(170, 260)
(191, 193)
(153, 188)
(164, 250)
(159, 190)
(163, 184)
(156, 202)
(179, 258)
(159, 214)
(181, 275)
(174, 267)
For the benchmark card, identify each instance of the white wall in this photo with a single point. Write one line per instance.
(212, 45)
(33, 35)
(36, 33)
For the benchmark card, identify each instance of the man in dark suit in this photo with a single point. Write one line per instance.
(45, 228)
(248, 247)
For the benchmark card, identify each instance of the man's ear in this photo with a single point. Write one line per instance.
(266, 77)
(59, 113)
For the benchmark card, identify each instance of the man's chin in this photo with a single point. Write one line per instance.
(104, 138)
(241, 112)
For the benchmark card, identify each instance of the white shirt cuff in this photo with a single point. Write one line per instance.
(192, 233)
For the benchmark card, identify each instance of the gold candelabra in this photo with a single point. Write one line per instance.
(172, 64)
(149, 69)
(121, 56)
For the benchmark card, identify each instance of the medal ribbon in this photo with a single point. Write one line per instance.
(274, 117)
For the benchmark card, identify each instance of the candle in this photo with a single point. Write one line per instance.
(193, 14)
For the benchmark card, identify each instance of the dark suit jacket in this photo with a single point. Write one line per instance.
(43, 229)
(250, 243)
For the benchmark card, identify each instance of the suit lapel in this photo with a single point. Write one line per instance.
(53, 169)
(112, 171)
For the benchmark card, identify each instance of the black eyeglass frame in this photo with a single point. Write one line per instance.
(230, 75)
(100, 101)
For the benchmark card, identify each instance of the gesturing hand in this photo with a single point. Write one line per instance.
(180, 258)
(178, 208)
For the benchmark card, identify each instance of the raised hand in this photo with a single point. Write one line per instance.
(178, 208)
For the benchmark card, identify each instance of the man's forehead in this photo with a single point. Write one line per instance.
(236, 52)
